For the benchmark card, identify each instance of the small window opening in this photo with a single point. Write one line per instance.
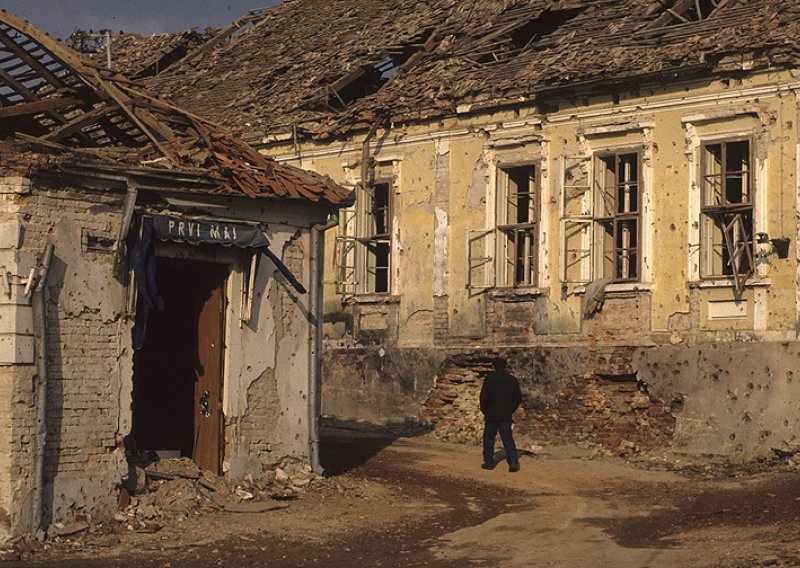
(368, 79)
(542, 26)
(527, 33)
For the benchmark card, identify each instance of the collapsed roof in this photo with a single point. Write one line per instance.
(138, 56)
(322, 68)
(56, 99)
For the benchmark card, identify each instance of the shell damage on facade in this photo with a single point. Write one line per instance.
(592, 187)
(154, 275)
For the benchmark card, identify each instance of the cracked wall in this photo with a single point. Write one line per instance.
(90, 374)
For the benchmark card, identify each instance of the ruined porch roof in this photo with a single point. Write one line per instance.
(54, 99)
(328, 67)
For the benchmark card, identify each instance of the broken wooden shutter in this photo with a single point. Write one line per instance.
(480, 273)
(576, 219)
(740, 250)
(249, 286)
(345, 253)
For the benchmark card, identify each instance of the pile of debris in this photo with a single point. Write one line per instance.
(176, 488)
(453, 408)
(616, 413)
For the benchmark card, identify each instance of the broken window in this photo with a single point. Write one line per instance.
(616, 219)
(576, 220)
(363, 247)
(517, 226)
(726, 228)
(686, 11)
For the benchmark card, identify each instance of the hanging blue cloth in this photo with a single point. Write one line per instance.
(143, 261)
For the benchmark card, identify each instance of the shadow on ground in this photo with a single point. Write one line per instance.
(773, 502)
(346, 445)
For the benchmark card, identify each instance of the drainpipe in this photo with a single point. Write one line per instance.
(315, 340)
(39, 307)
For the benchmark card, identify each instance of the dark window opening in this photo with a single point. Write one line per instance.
(377, 238)
(542, 26)
(526, 34)
(518, 217)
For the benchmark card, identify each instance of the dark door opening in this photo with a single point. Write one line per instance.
(177, 375)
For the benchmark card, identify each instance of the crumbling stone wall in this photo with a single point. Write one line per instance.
(257, 426)
(617, 413)
(85, 420)
(377, 384)
(86, 340)
(453, 408)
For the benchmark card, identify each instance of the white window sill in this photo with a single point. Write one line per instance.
(729, 283)
(512, 294)
(619, 287)
(371, 299)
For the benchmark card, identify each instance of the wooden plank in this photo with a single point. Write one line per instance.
(122, 100)
(77, 124)
(38, 106)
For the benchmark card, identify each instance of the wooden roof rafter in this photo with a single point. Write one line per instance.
(56, 99)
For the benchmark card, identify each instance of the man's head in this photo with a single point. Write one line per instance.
(499, 363)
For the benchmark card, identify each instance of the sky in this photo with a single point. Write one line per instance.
(59, 18)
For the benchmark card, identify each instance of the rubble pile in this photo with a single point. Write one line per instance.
(615, 413)
(453, 408)
(175, 489)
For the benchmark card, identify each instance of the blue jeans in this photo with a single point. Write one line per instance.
(490, 430)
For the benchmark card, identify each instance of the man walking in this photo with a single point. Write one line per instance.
(500, 397)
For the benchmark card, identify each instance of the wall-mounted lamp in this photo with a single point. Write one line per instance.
(780, 246)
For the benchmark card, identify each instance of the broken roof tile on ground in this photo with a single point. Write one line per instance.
(328, 67)
(54, 99)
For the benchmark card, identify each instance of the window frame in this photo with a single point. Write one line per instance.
(531, 227)
(371, 238)
(600, 220)
(706, 270)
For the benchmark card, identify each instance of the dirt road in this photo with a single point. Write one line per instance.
(415, 502)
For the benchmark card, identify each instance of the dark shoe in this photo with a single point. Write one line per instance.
(513, 468)
(489, 466)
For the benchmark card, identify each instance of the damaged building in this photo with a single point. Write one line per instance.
(158, 288)
(600, 190)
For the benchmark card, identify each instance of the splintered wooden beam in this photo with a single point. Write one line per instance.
(77, 124)
(141, 121)
(219, 38)
(37, 107)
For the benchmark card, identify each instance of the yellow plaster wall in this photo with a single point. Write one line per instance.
(671, 219)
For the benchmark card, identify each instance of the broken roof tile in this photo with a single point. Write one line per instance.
(290, 71)
(54, 99)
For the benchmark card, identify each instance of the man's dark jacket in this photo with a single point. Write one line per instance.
(500, 396)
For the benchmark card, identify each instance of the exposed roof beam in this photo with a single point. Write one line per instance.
(31, 61)
(37, 107)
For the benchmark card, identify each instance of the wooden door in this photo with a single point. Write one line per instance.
(207, 451)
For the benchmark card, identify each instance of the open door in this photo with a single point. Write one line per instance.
(178, 372)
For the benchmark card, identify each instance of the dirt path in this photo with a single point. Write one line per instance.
(414, 502)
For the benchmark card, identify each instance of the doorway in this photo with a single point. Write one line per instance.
(177, 375)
